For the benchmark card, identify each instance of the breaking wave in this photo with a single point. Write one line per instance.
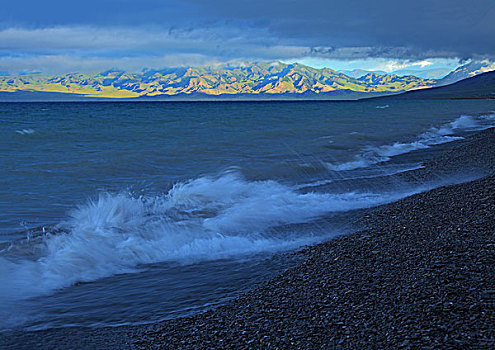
(203, 219)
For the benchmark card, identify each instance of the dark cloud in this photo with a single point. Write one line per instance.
(460, 27)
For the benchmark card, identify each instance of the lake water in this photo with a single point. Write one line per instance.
(125, 213)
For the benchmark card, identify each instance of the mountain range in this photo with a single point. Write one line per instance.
(257, 80)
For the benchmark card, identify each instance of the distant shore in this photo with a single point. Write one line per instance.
(421, 274)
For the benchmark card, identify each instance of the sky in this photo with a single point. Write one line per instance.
(60, 36)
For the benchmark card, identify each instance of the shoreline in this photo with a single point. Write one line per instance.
(421, 274)
(424, 282)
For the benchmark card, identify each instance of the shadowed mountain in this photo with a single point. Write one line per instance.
(358, 73)
(467, 71)
(423, 73)
(437, 73)
(481, 86)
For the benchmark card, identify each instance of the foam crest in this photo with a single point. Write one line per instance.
(25, 131)
(434, 136)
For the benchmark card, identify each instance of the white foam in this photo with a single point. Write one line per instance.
(313, 184)
(25, 131)
(435, 136)
(488, 117)
(382, 107)
(204, 219)
(360, 162)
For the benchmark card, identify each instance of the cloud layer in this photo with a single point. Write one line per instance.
(151, 33)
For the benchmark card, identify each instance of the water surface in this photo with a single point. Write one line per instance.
(117, 213)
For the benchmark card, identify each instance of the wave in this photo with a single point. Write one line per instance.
(380, 172)
(203, 219)
(382, 107)
(25, 131)
(435, 136)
